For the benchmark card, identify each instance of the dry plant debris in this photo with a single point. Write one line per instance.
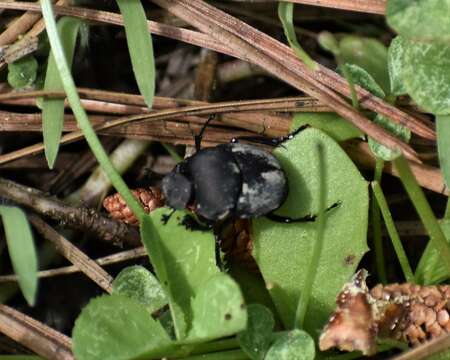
(406, 312)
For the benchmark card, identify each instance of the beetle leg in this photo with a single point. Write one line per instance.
(198, 138)
(274, 141)
(306, 218)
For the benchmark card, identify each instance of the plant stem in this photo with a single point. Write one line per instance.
(349, 79)
(398, 247)
(376, 227)
(318, 245)
(423, 209)
(171, 150)
(80, 114)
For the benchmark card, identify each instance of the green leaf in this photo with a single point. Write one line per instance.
(285, 13)
(396, 62)
(116, 327)
(369, 54)
(184, 260)
(364, 79)
(443, 143)
(426, 75)
(140, 47)
(53, 109)
(21, 250)
(218, 309)
(283, 251)
(427, 20)
(137, 283)
(255, 340)
(398, 130)
(294, 345)
(330, 123)
(22, 73)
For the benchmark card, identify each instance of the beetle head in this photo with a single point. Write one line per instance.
(177, 190)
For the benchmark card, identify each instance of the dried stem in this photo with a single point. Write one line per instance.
(86, 265)
(80, 218)
(35, 335)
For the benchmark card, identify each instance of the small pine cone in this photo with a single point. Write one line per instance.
(237, 244)
(150, 200)
(406, 312)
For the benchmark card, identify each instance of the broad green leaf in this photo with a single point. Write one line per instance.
(443, 143)
(398, 130)
(364, 79)
(140, 47)
(294, 345)
(426, 20)
(218, 309)
(369, 54)
(283, 251)
(426, 75)
(255, 340)
(183, 259)
(53, 109)
(330, 123)
(21, 250)
(118, 328)
(137, 283)
(22, 73)
(396, 62)
(285, 13)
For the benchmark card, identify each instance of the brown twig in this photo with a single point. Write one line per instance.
(34, 335)
(86, 265)
(66, 270)
(79, 218)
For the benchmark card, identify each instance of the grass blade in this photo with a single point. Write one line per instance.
(80, 114)
(140, 47)
(286, 14)
(21, 250)
(53, 109)
(443, 143)
(395, 238)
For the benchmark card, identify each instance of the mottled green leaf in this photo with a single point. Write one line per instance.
(22, 73)
(183, 259)
(426, 75)
(255, 340)
(137, 283)
(396, 62)
(118, 328)
(369, 54)
(140, 47)
(53, 109)
(21, 250)
(283, 251)
(396, 129)
(420, 19)
(218, 309)
(294, 345)
(330, 123)
(362, 78)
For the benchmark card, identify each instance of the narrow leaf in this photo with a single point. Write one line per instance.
(443, 142)
(286, 14)
(21, 250)
(53, 109)
(140, 47)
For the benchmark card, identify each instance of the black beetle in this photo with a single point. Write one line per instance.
(231, 180)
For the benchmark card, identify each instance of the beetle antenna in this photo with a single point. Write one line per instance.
(198, 138)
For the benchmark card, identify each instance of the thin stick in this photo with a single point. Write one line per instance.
(34, 335)
(66, 270)
(86, 265)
